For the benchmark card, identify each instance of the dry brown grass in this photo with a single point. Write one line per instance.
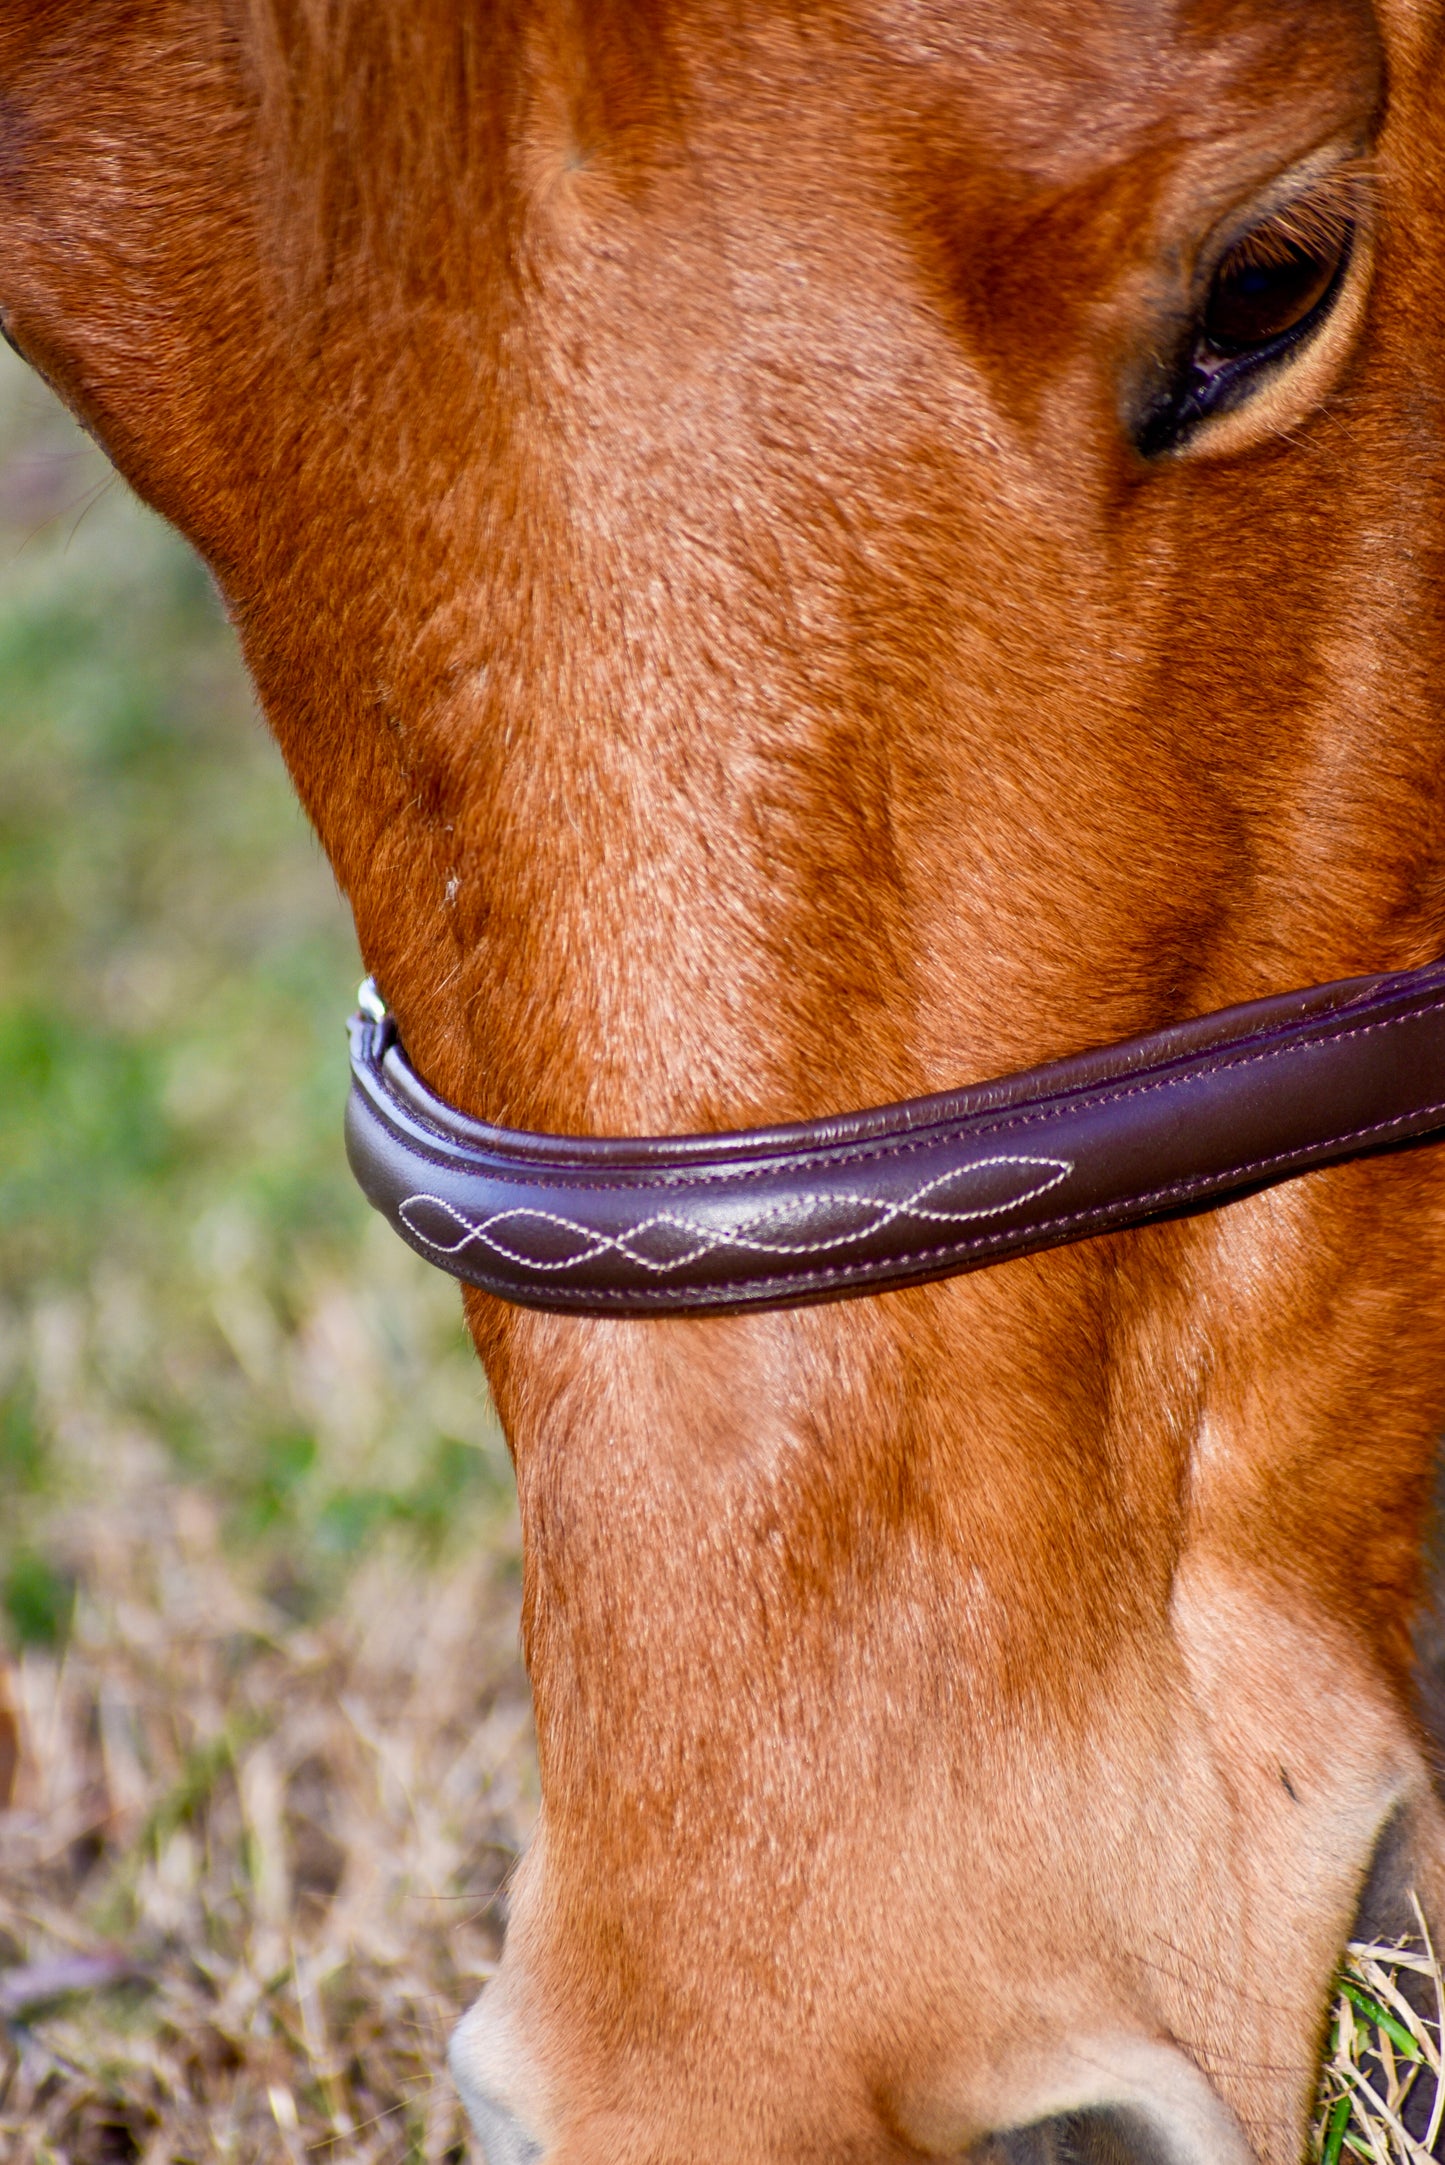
(272, 1856)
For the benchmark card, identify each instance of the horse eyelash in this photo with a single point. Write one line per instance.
(1319, 223)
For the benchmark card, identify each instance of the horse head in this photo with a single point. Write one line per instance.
(800, 556)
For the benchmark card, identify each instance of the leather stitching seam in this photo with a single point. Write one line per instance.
(1099, 1213)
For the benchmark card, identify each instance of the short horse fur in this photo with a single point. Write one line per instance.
(681, 474)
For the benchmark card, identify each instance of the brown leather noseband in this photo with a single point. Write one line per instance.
(1187, 1118)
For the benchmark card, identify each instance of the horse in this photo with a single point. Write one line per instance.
(802, 553)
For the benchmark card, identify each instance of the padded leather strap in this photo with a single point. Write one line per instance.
(776, 1217)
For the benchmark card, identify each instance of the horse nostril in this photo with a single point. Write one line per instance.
(1112, 2136)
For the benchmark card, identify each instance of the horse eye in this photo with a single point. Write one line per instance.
(1270, 282)
(1268, 293)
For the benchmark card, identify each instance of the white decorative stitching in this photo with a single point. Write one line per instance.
(708, 1240)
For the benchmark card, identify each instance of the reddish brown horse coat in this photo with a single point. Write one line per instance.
(681, 475)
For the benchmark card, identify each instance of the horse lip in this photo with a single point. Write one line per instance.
(485, 2059)
(501, 2136)
(1170, 2117)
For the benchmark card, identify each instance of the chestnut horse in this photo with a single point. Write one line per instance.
(802, 552)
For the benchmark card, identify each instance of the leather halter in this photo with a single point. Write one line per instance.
(1184, 1119)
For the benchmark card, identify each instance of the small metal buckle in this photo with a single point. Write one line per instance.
(369, 1000)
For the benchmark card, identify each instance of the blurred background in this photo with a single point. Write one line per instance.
(264, 1742)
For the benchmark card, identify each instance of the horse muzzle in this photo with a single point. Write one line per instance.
(1130, 2102)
